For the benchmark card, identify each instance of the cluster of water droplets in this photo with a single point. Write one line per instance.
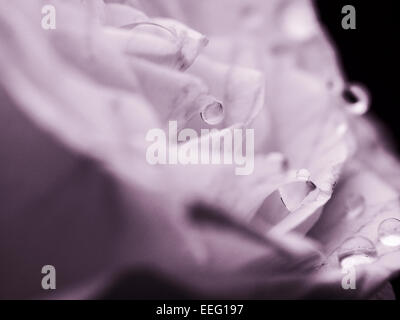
(298, 23)
(355, 250)
(360, 250)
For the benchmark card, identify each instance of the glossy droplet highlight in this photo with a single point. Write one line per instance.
(355, 251)
(356, 259)
(357, 99)
(354, 206)
(389, 232)
(213, 113)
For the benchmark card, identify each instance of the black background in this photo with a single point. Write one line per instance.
(370, 55)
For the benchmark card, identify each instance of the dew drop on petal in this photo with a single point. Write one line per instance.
(354, 206)
(213, 113)
(355, 251)
(303, 175)
(357, 99)
(356, 259)
(389, 232)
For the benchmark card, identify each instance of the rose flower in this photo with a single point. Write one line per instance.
(284, 201)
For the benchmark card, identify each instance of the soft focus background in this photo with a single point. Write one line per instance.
(370, 55)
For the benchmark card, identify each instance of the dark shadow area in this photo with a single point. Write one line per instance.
(144, 285)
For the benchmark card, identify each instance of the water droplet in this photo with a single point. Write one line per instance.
(303, 175)
(356, 259)
(213, 113)
(354, 205)
(389, 232)
(357, 99)
(355, 251)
